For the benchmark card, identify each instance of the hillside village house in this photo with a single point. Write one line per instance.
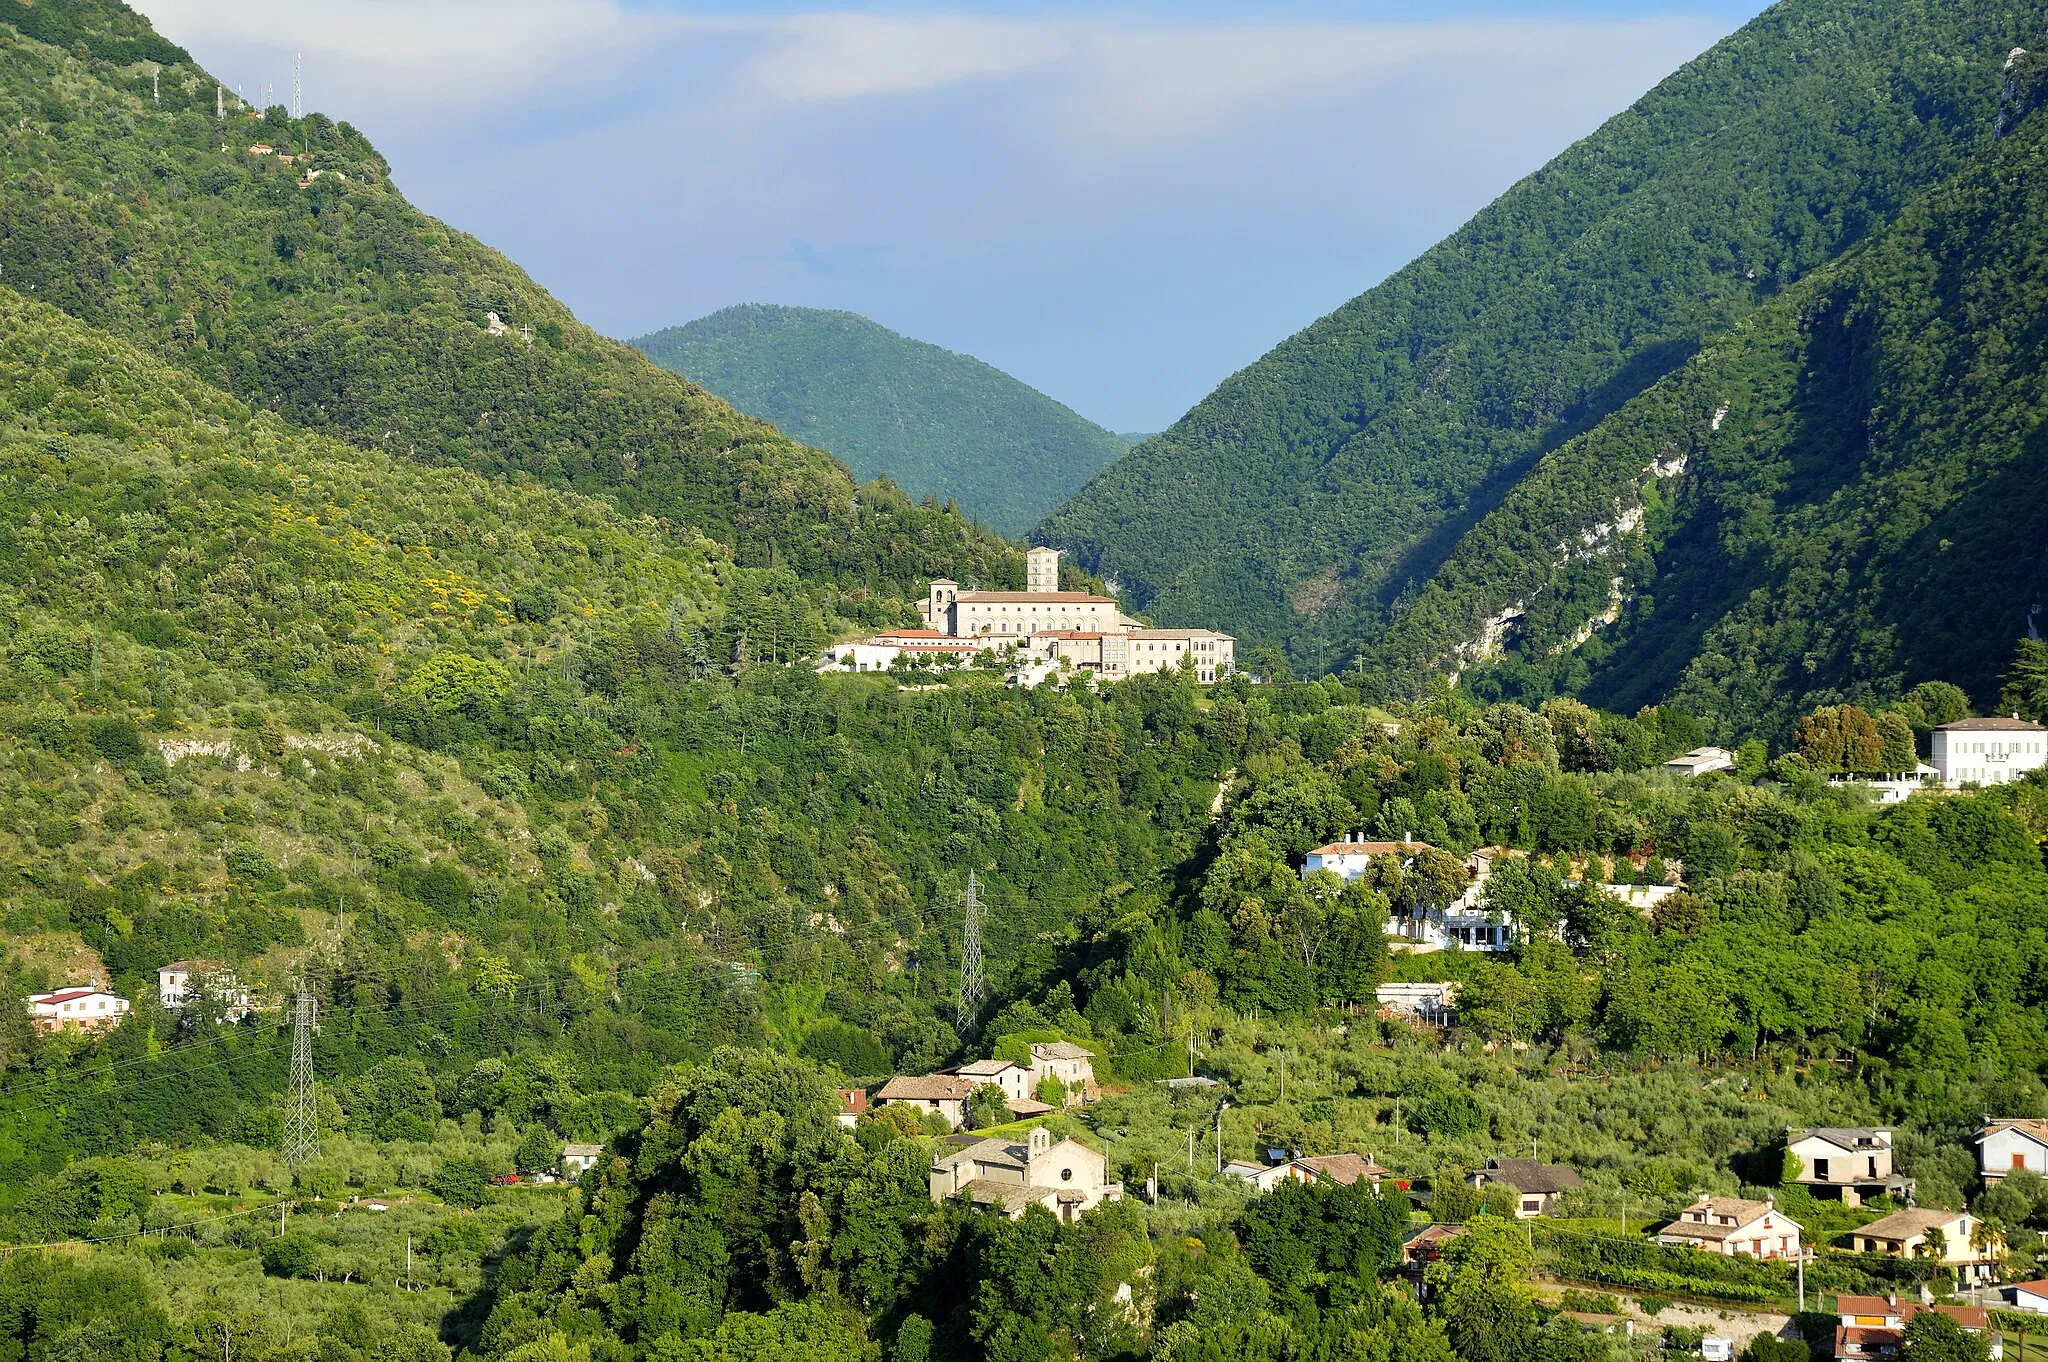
(1956, 1239)
(1016, 1082)
(77, 1009)
(1731, 1226)
(1067, 1178)
(2011, 1144)
(1465, 923)
(1875, 1326)
(184, 982)
(1988, 751)
(1039, 630)
(1540, 1185)
(1849, 1163)
(1067, 1062)
(853, 1103)
(1339, 1169)
(2032, 1297)
(578, 1159)
(942, 1093)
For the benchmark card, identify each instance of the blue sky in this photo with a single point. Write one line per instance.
(1120, 204)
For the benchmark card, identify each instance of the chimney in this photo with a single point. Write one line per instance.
(1891, 1298)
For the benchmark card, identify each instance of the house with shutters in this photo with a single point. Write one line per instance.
(2009, 1144)
(1067, 1062)
(1849, 1164)
(1733, 1227)
(1875, 1326)
(1066, 1177)
(1016, 1081)
(1987, 751)
(945, 1094)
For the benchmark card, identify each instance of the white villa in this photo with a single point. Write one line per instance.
(1039, 631)
(2010, 1144)
(184, 983)
(1988, 751)
(1465, 923)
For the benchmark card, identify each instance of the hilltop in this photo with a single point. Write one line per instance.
(933, 422)
(1310, 491)
(1837, 499)
(275, 258)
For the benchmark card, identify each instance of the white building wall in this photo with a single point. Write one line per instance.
(1987, 756)
(2005, 1150)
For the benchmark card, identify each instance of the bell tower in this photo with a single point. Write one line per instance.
(1042, 570)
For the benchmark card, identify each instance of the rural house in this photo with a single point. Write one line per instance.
(1849, 1163)
(80, 1008)
(1067, 1062)
(1956, 1239)
(1540, 1184)
(1875, 1326)
(1731, 1226)
(2012, 1143)
(942, 1093)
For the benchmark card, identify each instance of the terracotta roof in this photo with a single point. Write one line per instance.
(1177, 634)
(65, 995)
(2025, 1125)
(853, 1101)
(1527, 1175)
(581, 1151)
(1844, 1137)
(1744, 1213)
(1991, 726)
(1343, 1169)
(1011, 1196)
(1029, 1106)
(929, 1088)
(2038, 1288)
(1905, 1224)
(1370, 848)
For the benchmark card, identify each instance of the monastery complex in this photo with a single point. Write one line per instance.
(1039, 632)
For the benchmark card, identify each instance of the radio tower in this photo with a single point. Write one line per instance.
(301, 1113)
(298, 109)
(970, 960)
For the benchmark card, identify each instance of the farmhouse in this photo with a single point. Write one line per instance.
(1875, 1326)
(943, 1093)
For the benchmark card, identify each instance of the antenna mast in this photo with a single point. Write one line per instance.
(302, 1112)
(155, 73)
(220, 107)
(298, 107)
(970, 960)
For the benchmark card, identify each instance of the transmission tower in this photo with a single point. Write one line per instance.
(302, 1114)
(970, 960)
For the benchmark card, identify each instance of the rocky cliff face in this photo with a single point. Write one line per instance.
(2024, 90)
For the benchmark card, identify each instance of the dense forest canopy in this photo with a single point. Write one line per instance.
(1326, 482)
(931, 421)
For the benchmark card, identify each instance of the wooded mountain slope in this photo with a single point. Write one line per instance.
(931, 421)
(1842, 497)
(1312, 488)
(334, 302)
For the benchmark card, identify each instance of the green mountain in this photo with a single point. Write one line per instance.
(1299, 501)
(1842, 496)
(315, 290)
(933, 422)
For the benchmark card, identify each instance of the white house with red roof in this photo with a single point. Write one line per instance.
(1734, 1227)
(1465, 923)
(83, 1007)
(2009, 1144)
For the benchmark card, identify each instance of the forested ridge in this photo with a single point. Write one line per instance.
(931, 421)
(1840, 497)
(337, 304)
(1324, 482)
(516, 766)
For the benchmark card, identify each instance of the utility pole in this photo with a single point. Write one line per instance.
(408, 1262)
(302, 1112)
(970, 960)
(1802, 1279)
(1191, 1047)
(1219, 1134)
(1191, 1151)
